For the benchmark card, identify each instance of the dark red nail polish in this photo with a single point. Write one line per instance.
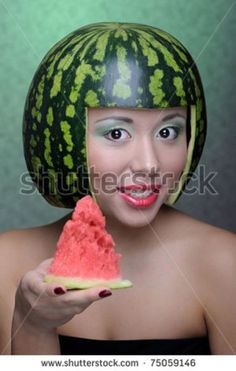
(59, 291)
(104, 293)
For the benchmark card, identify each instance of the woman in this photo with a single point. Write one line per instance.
(123, 101)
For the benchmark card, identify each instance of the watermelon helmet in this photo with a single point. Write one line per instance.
(104, 65)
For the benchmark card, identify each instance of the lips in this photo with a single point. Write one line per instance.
(139, 196)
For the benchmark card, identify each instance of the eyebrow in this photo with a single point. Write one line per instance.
(173, 115)
(118, 118)
(130, 121)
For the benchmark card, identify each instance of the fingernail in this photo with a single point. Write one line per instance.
(59, 291)
(104, 293)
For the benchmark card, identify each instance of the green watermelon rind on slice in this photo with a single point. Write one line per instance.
(77, 283)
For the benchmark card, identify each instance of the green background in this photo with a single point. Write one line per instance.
(207, 28)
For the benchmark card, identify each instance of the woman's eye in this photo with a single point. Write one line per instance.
(116, 134)
(168, 133)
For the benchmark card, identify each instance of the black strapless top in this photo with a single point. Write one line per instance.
(80, 346)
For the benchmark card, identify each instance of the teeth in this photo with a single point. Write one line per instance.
(139, 193)
(137, 190)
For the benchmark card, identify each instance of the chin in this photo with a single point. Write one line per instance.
(131, 217)
(115, 208)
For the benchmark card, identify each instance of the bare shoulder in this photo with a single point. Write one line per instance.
(213, 260)
(28, 247)
(20, 251)
(213, 239)
(212, 248)
(23, 248)
(219, 293)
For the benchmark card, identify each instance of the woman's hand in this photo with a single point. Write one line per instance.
(44, 306)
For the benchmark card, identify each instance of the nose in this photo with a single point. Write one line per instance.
(144, 159)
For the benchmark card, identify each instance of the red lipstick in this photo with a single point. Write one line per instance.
(139, 200)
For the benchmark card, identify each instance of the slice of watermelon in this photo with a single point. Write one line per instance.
(85, 255)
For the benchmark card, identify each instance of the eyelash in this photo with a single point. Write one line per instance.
(175, 128)
(111, 130)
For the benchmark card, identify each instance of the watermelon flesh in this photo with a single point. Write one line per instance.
(85, 255)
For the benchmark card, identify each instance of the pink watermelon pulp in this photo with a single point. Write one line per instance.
(85, 255)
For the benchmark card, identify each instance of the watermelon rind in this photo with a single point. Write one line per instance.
(78, 283)
(104, 65)
(180, 186)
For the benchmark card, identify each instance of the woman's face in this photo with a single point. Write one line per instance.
(135, 147)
